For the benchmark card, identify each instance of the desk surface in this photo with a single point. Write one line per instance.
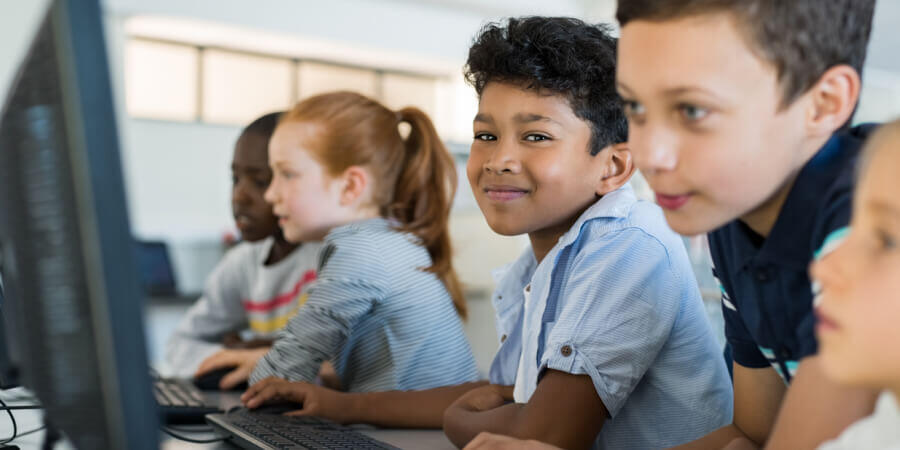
(27, 420)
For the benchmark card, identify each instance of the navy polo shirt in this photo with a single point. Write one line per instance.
(766, 292)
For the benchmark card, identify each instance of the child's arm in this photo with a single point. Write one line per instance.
(397, 409)
(757, 394)
(817, 409)
(565, 411)
(811, 412)
(352, 280)
(217, 312)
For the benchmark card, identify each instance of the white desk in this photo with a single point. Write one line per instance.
(31, 419)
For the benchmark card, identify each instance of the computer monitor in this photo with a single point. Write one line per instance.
(72, 297)
(9, 373)
(155, 268)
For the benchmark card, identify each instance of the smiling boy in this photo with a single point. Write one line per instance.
(738, 114)
(604, 339)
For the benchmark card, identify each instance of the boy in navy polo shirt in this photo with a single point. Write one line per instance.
(737, 113)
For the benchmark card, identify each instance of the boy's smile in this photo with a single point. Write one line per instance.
(530, 166)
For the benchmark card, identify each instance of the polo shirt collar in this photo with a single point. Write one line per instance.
(789, 243)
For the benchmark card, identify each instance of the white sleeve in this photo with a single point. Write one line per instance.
(218, 311)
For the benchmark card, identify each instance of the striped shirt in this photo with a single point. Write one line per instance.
(616, 300)
(244, 295)
(383, 322)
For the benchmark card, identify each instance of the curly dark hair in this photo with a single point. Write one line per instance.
(556, 55)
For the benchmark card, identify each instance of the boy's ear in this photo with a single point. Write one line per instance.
(355, 184)
(617, 167)
(833, 100)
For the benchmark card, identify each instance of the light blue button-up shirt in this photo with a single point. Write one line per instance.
(615, 299)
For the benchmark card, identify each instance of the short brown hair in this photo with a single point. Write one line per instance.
(801, 38)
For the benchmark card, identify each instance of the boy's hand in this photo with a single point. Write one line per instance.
(741, 443)
(317, 401)
(484, 398)
(242, 361)
(490, 441)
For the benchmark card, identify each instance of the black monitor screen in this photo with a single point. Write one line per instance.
(73, 301)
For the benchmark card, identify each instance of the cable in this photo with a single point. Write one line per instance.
(13, 419)
(16, 407)
(194, 441)
(41, 428)
(191, 428)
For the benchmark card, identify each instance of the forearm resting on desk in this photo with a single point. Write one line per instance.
(394, 409)
(565, 411)
(408, 409)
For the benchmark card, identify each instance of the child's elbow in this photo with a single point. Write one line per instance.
(454, 426)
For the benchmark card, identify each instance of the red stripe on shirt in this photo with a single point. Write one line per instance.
(282, 299)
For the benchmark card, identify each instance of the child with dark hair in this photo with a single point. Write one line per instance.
(604, 339)
(601, 325)
(257, 286)
(387, 307)
(739, 114)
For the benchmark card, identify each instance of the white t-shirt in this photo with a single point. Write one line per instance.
(242, 294)
(880, 431)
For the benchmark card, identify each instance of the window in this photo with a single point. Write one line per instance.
(398, 91)
(181, 82)
(169, 94)
(316, 78)
(238, 87)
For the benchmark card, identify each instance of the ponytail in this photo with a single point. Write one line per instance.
(415, 177)
(423, 196)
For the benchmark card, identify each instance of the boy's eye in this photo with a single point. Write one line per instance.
(262, 184)
(485, 137)
(234, 180)
(632, 108)
(693, 113)
(886, 241)
(536, 138)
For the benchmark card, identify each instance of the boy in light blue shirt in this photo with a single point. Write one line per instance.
(604, 338)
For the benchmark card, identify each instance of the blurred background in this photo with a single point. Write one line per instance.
(188, 74)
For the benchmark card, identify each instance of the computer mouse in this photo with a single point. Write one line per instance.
(278, 408)
(209, 381)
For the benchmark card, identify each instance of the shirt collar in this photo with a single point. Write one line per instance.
(616, 204)
(510, 279)
(789, 243)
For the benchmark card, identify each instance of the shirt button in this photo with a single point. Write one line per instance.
(503, 339)
(566, 350)
(499, 297)
(528, 288)
(785, 354)
(762, 276)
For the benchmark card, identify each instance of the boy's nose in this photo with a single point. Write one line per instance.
(239, 194)
(503, 159)
(653, 150)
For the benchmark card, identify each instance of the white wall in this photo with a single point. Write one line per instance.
(18, 23)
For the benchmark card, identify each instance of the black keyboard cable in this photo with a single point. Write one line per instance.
(12, 418)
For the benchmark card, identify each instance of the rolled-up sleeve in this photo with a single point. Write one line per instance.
(623, 317)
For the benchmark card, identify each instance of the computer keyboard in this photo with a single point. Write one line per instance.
(179, 401)
(271, 431)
